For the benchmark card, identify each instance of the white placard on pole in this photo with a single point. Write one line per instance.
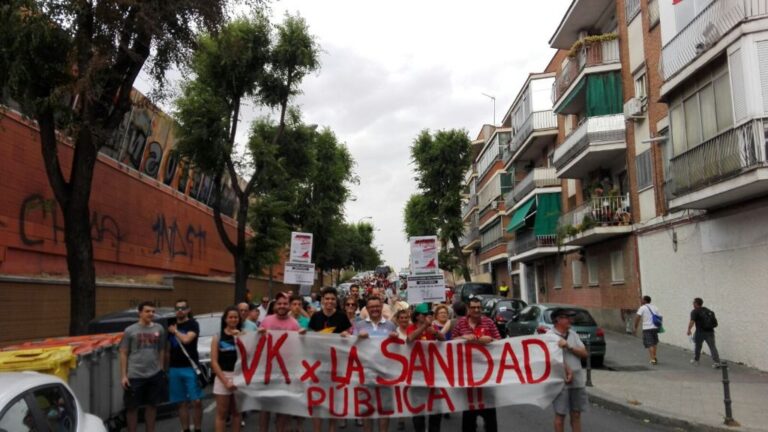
(301, 247)
(424, 252)
(425, 289)
(299, 273)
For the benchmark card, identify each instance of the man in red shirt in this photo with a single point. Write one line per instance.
(477, 328)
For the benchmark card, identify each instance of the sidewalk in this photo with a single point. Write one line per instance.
(684, 395)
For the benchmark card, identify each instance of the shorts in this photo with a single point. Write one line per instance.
(650, 337)
(219, 388)
(182, 385)
(570, 400)
(150, 391)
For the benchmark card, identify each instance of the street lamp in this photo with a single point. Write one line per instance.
(493, 98)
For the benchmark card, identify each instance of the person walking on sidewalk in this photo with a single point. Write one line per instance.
(650, 331)
(573, 400)
(705, 322)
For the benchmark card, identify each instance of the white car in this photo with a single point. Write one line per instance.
(210, 324)
(31, 401)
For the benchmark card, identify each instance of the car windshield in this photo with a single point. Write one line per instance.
(509, 304)
(477, 289)
(581, 318)
(209, 326)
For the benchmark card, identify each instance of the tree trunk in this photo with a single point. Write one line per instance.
(462, 259)
(241, 266)
(82, 272)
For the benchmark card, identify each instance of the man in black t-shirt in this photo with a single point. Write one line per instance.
(182, 379)
(329, 319)
(704, 320)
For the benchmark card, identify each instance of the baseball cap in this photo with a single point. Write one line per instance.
(422, 308)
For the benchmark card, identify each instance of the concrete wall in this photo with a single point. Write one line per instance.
(721, 259)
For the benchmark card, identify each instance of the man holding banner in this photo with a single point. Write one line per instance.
(573, 399)
(479, 329)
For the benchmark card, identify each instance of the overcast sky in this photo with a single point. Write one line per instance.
(393, 68)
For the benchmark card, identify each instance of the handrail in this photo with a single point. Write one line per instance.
(601, 210)
(605, 128)
(538, 177)
(537, 120)
(525, 240)
(594, 54)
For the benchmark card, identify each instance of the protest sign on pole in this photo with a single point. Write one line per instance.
(329, 376)
(426, 289)
(301, 247)
(424, 251)
(299, 273)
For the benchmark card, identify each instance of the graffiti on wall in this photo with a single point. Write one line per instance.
(36, 208)
(174, 240)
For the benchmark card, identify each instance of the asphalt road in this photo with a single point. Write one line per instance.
(516, 418)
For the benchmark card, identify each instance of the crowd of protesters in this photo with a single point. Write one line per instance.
(372, 308)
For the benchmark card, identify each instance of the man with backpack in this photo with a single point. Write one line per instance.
(705, 322)
(651, 319)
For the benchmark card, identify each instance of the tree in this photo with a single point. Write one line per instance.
(441, 160)
(243, 62)
(71, 66)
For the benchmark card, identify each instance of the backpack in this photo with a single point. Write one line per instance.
(707, 319)
(657, 320)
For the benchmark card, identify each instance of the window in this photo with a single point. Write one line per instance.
(17, 417)
(653, 13)
(558, 282)
(644, 170)
(592, 270)
(641, 86)
(58, 408)
(491, 236)
(617, 266)
(576, 272)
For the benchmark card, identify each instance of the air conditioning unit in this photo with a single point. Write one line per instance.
(633, 109)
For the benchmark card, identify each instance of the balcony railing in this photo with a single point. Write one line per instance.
(720, 157)
(491, 245)
(472, 234)
(526, 240)
(468, 206)
(472, 171)
(601, 210)
(706, 30)
(595, 129)
(594, 54)
(537, 120)
(506, 154)
(631, 9)
(537, 178)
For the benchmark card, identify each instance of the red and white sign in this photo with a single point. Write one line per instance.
(329, 376)
(424, 252)
(301, 247)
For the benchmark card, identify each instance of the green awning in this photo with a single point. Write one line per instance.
(547, 214)
(604, 94)
(518, 219)
(572, 95)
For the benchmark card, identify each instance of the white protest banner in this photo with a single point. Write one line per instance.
(424, 251)
(301, 247)
(330, 376)
(299, 273)
(426, 289)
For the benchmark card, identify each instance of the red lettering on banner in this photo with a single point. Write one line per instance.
(310, 373)
(396, 357)
(411, 409)
(436, 359)
(488, 365)
(419, 363)
(273, 353)
(332, 402)
(315, 398)
(527, 359)
(379, 406)
(437, 394)
(470, 398)
(506, 354)
(360, 402)
(460, 361)
(399, 400)
(250, 369)
(354, 365)
(480, 402)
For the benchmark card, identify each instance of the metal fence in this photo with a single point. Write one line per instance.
(468, 206)
(604, 210)
(594, 129)
(538, 177)
(705, 30)
(537, 120)
(722, 156)
(526, 240)
(594, 54)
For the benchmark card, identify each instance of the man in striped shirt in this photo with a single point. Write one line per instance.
(477, 328)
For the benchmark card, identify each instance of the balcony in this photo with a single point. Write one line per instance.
(726, 169)
(506, 155)
(469, 207)
(537, 178)
(471, 239)
(598, 219)
(470, 174)
(528, 247)
(595, 57)
(598, 142)
(705, 30)
(538, 131)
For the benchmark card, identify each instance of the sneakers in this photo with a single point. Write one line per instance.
(654, 362)
(694, 362)
(715, 365)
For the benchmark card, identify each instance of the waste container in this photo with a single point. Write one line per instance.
(52, 360)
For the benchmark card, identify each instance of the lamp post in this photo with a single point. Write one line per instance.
(493, 98)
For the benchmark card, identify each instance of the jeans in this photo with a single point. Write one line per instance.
(431, 422)
(709, 338)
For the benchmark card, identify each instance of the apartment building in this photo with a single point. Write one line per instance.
(485, 240)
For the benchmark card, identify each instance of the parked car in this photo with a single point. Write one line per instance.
(31, 401)
(119, 321)
(467, 289)
(504, 311)
(488, 303)
(210, 324)
(537, 319)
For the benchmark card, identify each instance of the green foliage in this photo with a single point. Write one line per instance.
(420, 220)
(589, 40)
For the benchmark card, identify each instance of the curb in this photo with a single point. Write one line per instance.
(657, 416)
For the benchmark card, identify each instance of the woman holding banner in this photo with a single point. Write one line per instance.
(223, 359)
(424, 329)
